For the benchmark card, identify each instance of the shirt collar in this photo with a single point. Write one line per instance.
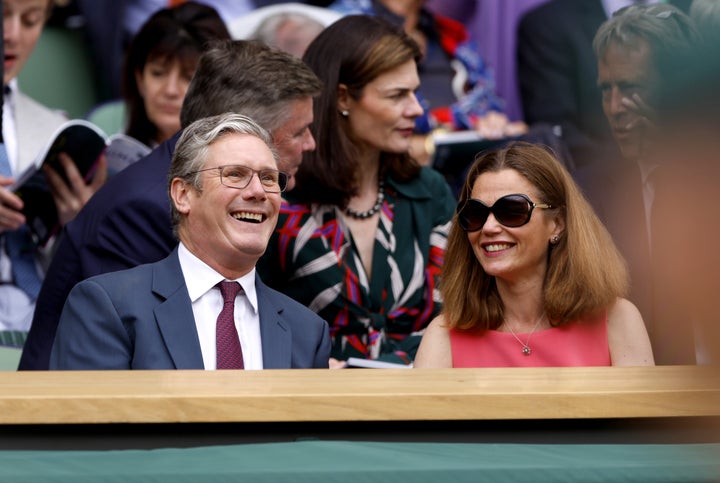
(413, 189)
(200, 277)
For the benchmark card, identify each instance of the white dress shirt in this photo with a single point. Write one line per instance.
(8, 126)
(207, 302)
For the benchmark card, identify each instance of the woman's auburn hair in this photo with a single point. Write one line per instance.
(585, 275)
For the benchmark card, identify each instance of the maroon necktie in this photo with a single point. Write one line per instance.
(227, 342)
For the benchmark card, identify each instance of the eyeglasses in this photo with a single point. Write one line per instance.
(510, 210)
(239, 177)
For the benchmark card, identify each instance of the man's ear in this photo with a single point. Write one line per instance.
(343, 100)
(181, 193)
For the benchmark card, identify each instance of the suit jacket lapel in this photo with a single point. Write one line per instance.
(275, 334)
(174, 315)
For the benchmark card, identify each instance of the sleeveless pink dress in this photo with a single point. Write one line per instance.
(581, 343)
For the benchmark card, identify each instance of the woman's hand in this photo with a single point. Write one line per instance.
(71, 197)
(336, 364)
(496, 125)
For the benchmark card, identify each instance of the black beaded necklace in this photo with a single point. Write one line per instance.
(361, 215)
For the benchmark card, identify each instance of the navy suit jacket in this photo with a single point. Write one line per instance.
(125, 224)
(142, 318)
(557, 71)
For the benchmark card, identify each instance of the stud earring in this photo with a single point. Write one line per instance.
(554, 240)
(345, 113)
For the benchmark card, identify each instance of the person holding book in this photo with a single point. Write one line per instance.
(128, 222)
(361, 238)
(159, 64)
(26, 128)
(536, 279)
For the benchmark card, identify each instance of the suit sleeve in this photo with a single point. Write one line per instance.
(135, 233)
(90, 334)
(62, 275)
(546, 75)
(128, 235)
(322, 355)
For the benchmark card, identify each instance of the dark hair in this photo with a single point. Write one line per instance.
(353, 51)
(585, 273)
(179, 33)
(250, 78)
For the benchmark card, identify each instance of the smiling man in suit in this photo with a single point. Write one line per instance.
(127, 223)
(203, 306)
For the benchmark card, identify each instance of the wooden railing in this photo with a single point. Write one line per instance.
(357, 395)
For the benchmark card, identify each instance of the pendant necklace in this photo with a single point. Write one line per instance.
(361, 215)
(526, 350)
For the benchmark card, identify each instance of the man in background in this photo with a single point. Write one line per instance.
(634, 49)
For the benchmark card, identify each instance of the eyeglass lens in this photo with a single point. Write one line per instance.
(511, 211)
(239, 177)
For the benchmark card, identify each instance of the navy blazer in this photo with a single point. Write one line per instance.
(125, 224)
(142, 318)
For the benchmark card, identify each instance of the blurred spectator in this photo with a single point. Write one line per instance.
(160, 62)
(557, 73)
(493, 26)
(706, 15)
(458, 88)
(26, 127)
(687, 230)
(636, 50)
(300, 24)
(291, 32)
(111, 24)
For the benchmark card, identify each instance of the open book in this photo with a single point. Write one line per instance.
(84, 142)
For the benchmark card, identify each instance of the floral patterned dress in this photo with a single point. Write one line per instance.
(313, 259)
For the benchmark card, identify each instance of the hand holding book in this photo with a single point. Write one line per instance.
(71, 167)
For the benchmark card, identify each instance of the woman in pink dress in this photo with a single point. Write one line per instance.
(531, 276)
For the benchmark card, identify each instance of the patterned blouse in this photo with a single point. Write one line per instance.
(312, 258)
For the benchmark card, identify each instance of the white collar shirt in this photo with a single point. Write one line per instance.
(207, 302)
(9, 128)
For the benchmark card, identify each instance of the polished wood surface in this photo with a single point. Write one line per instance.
(357, 395)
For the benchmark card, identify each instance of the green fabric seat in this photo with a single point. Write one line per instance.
(59, 73)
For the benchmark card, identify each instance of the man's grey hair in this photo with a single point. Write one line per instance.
(667, 30)
(192, 149)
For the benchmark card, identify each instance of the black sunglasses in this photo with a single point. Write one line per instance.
(510, 210)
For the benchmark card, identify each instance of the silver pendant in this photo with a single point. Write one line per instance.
(526, 350)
